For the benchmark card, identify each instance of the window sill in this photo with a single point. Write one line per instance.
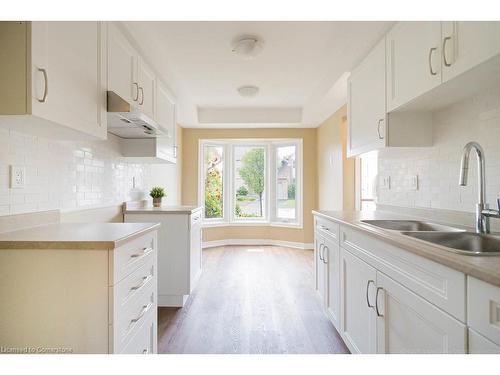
(252, 224)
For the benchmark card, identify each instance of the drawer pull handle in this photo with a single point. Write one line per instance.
(320, 252)
(143, 312)
(367, 291)
(376, 303)
(144, 252)
(45, 87)
(325, 260)
(145, 280)
(136, 91)
(324, 228)
(445, 60)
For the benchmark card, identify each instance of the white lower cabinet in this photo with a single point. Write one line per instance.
(327, 268)
(333, 282)
(179, 250)
(320, 267)
(407, 323)
(358, 320)
(383, 299)
(379, 315)
(483, 305)
(90, 300)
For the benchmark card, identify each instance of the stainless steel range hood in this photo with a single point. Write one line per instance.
(128, 121)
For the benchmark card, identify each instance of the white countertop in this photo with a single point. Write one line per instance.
(141, 208)
(486, 268)
(95, 236)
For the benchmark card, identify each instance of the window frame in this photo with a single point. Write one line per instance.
(229, 197)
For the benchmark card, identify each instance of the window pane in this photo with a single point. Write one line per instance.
(213, 170)
(286, 182)
(249, 182)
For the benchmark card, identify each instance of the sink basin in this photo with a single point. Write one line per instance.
(462, 242)
(410, 226)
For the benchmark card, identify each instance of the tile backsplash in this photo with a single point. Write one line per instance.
(70, 175)
(474, 119)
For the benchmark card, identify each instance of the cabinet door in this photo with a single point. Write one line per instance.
(406, 323)
(122, 74)
(333, 281)
(147, 88)
(366, 103)
(358, 325)
(467, 44)
(320, 267)
(478, 344)
(413, 61)
(166, 117)
(67, 65)
(196, 252)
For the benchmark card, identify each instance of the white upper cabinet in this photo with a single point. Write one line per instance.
(129, 75)
(166, 118)
(366, 103)
(70, 54)
(406, 323)
(64, 79)
(413, 61)
(467, 44)
(122, 63)
(370, 126)
(147, 88)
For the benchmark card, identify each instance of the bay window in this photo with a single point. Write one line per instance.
(245, 182)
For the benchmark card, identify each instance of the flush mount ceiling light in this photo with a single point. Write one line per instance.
(247, 46)
(248, 91)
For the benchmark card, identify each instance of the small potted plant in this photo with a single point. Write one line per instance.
(157, 193)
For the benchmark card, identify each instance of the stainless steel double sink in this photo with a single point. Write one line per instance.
(450, 238)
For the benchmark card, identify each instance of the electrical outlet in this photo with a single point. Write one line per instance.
(414, 182)
(17, 177)
(385, 182)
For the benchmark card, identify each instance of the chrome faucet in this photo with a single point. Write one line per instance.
(483, 214)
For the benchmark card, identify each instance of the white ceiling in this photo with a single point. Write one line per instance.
(302, 69)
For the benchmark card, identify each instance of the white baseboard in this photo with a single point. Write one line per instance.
(258, 242)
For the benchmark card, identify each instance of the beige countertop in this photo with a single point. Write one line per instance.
(75, 235)
(486, 268)
(136, 209)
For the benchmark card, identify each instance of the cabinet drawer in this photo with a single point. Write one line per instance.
(129, 320)
(127, 258)
(143, 341)
(124, 293)
(327, 228)
(483, 307)
(438, 284)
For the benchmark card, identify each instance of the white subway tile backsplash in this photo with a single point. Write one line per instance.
(476, 118)
(65, 174)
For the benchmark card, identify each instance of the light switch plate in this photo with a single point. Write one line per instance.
(17, 177)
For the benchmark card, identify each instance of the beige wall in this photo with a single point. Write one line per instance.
(335, 176)
(190, 138)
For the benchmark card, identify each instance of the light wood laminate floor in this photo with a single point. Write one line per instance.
(251, 299)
